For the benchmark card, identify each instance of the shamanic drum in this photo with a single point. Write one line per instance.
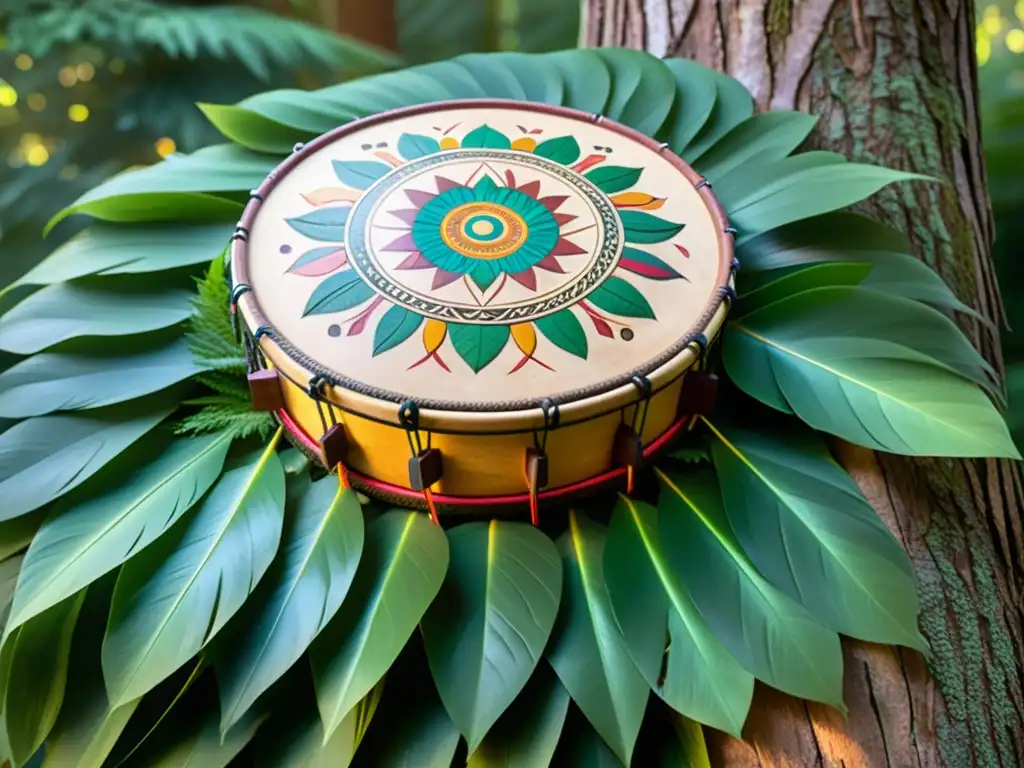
(482, 303)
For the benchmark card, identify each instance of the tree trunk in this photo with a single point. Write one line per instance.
(895, 83)
(372, 21)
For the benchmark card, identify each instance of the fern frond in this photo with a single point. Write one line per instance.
(210, 335)
(226, 414)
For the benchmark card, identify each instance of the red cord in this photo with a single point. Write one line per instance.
(629, 480)
(429, 496)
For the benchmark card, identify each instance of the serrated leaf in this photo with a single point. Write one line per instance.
(774, 638)
(323, 224)
(478, 345)
(485, 137)
(620, 297)
(395, 326)
(613, 178)
(808, 528)
(527, 734)
(342, 290)
(321, 550)
(564, 330)
(404, 562)
(561, 149)
(78, 544)
(701, 679)
(43, 458)
(359, 174)
(645, 228)
(587, 649)
(59, 381)
(412, 146)
(486, 630)
(175, 595)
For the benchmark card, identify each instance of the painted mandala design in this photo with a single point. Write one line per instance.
(486, 218)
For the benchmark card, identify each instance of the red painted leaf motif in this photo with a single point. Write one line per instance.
(588, 162)
(531, 188)
(602, 327)
(403, 243)
(443, 184)
(564, 218)
(686, 253)
(553, 201)
(550, 263)
(565, 248)
(443, 278)
(510, 179)
(647, 270)
(527, 278)
(363, 318)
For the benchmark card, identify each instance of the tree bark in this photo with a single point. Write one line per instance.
(372, 21)
(895, 83)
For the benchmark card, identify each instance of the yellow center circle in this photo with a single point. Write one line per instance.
(461, 235)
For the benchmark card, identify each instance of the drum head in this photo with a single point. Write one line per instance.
(484, 256)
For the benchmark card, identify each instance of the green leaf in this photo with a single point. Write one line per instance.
(78, 544)
(422, 737)
(491, 75)
(642, 88)
(582, 746)
(527, 734)
(478, 345)
(538, 77)
(203, 745)
(702, 680)
(176, 594)
(763, 138)
(252, 130)
(840, 273)
(404, 562)
(586, 77)
(43, 458)
(733, 105)
(486, 630)
(486, 137)
(690, 737)
(321, 550)
(342, 290)
(58, 381)
(34, 669)
(104, 249)
(324, 224)
(619, 297)
(873, 369)
(613, 178)
(359, 174)
(587, 649)
(641, 227)
(774, 638)
(808, 528)
(563, 329)
(397, 325)
(647, 265)
(562, 149)
(693, 104)
(412, 146)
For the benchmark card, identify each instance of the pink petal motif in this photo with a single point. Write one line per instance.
(418, 198)
(564, 248)
(510, 179)
(404, 243)
(647, 270)
(415, 261)
(360, 323)
(550, 263)
(527, 278)
(322, 266)
(442, 278)
(683, 251)
(407, 215)
(553, 201)
(563, 218)
(532, 188)
(443, 184)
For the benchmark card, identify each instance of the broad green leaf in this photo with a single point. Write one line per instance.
(71, 310)
(774, 638)
(395, 326)
(766, 137)
(647, 264)
(176, 594)
(78, 544)
(613, 178)
(412, 146)
(873, 369)
(582, 746)
(840, 273)
(755, 178)
(252, 130)
(620, 297)
(9, 570)
(586, 77)
(485, 632)
(807, 527)
(405, 558)
(643, 88)
(43, 458)
(203, 745)
(690, 736)
(34, 669)
(17, 533)
(359, 174)
(563, 329)
(587, 649)
(538, 76)
(65, 381)
(154, 207)
(695, 99)
(561, 149)
(105, 249)
(342, 290)
(527, 734)
(733, 105)
(321, 549)
(478, 345)
(324, 224)
(641, 227)
(701, 679)
(485, 137)
(422, 736)
(491, 75)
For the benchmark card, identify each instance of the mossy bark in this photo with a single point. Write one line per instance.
(895, 83)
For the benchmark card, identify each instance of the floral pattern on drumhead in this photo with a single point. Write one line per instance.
(521, 211)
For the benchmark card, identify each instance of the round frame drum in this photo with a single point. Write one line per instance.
(482, 303)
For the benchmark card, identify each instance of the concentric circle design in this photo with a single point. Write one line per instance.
(483, 230)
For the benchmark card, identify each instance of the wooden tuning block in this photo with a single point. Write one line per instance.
(334, 444)
(536, 468)
(627, 448)
(265, 389)
(699, 393)
(425, 469)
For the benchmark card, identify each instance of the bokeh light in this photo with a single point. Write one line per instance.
(36, 102)
(78, 113)
(165, 146)
(67, 76)
(23, 62)
(8, 96)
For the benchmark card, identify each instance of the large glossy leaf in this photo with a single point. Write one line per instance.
(251, 129)
(538, 76)
(527, 734)
(33, 674)
(810, 531)
(485, 632)
(43, 458)
(733, 104)
(404, 562)
(413, 730)
(105, 249)
(692, 746)
(491, 74)
(765, 137)
(866, 367)
(204, 746)
(840, 273)
(320, 552)
(79, 543)
(773, 637)
(65, 381)
(175, 595)
(701, 679)
(642, 88)
(587, 80)
(587, 649)
(695, 99)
